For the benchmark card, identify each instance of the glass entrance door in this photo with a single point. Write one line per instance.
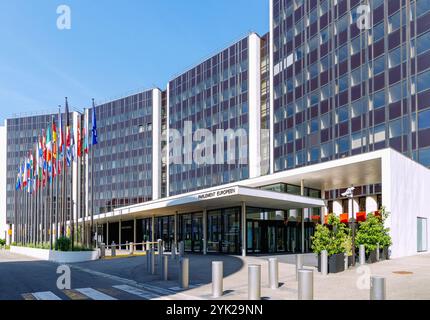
(265, 236)
(190, 230)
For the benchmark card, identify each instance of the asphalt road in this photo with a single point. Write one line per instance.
(21, 277)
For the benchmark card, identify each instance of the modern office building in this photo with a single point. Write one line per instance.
(323, 104)
(18, 136)
(221, 93)
(127, 159)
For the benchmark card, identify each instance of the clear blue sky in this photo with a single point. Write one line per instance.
(113, 47)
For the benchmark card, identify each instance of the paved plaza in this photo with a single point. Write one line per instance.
(127, 278)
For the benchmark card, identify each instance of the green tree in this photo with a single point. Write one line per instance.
(334, 238)
(372, 231)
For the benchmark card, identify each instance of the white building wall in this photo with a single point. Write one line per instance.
(405, 193)
(254, 105)
(156, 144)
(371, 204)
(3, 152)
(272, 100)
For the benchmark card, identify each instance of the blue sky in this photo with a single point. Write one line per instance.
(113, 47)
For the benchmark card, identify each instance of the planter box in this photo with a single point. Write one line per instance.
(336, 263)
(371, 257)
(57, 256)
(351, 260)
(384, 254)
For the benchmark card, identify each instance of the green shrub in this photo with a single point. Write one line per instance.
(81, 248)
(63, 244)
(335, 238)
(372, 231)
(2, 242)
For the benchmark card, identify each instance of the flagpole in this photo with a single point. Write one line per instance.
(56, 202)
(25, 217)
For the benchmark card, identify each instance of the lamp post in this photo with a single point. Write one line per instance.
(353, 226)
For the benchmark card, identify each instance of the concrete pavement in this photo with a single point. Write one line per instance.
(407, 278)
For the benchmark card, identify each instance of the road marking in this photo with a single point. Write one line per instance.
(75, 295)
(28, 296)
(137, 292)
(158, 290)
(94, 294)
(46, 295)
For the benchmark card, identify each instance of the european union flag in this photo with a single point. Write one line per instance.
(94, 129)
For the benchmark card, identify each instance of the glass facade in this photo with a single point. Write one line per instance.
(224, 231)
(123, 156)
(22, 134)
(212, 95)
(341, 91)
(279, 231)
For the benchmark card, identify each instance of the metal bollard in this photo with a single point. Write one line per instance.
(165, 271)
(273, 273)
(377, 288)
(299, 264)
(254, 282)
(306, 284)
(131, 248)
(113, 249)
(152, 261)
(148, 260)
(184, 273)
(345, 260)
(377, 252)
(217, 279)
(324, 262)
(174, 250)
(102, 250)
(181, 249)
(362, 256)
(160, 251)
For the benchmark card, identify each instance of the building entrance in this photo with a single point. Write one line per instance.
(276, 231)
(265, 236)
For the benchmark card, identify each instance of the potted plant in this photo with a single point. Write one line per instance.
(331, 238)
(369, 234)
(347, 245)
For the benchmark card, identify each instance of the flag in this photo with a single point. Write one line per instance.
(44, 159)
(18, 179)
(28, 173)
(24, 180)
(60, 140)
(94, 130)
(85, 139)
(54, 148)
(40, 159)
(79, 138)
(49, 152)
(68, 137)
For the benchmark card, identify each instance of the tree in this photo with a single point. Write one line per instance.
(334, 238)
(372, 231)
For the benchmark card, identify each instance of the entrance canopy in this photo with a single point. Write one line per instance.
(214, 198)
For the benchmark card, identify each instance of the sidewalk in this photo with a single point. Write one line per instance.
(414, 284)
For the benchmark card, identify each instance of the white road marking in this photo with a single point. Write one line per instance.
(94, 294)
(46, 295)
(137, 292)
(161, 291)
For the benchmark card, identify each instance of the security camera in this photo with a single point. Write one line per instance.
(349, 192)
